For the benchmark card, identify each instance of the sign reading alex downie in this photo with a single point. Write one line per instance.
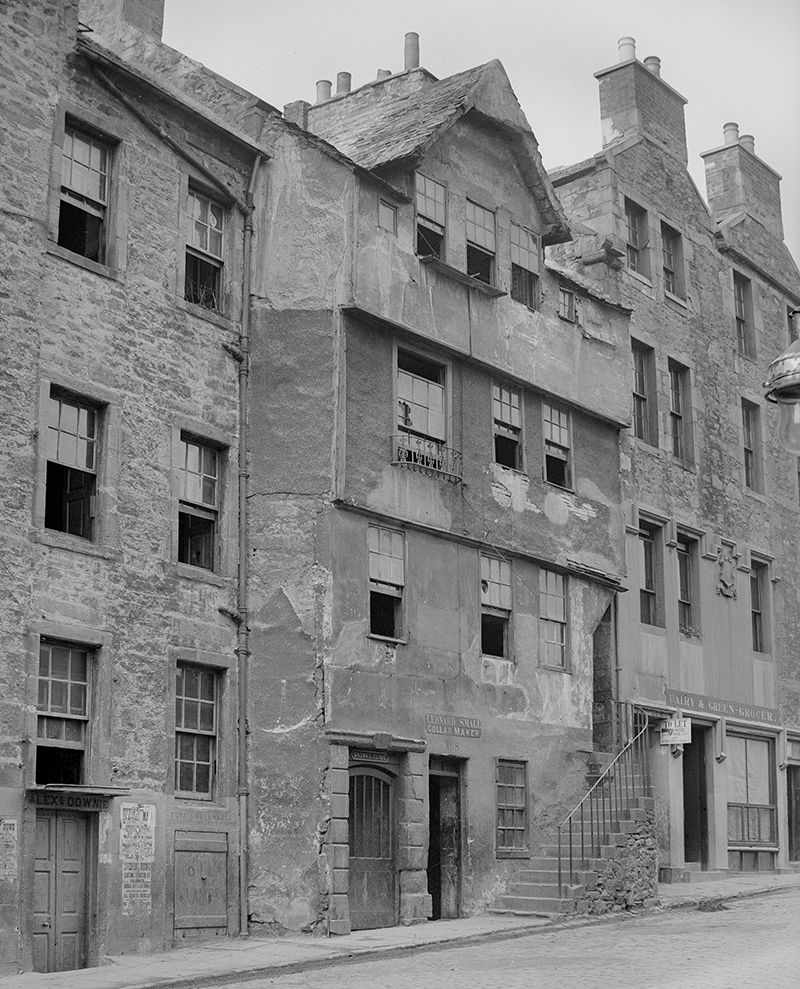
(720, 708)
(452, 724)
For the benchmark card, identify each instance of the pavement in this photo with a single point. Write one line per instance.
(208, 961)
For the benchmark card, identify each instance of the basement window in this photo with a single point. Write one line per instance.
(82, 215)
(386, 551)
(480, 243)
(204, 251)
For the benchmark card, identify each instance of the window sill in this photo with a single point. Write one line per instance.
(688, 465)
(555, 669)
(758, 495)
(566, 319)
(558, 487)
(78, 259)
(196, 798)
(765, 657)
(496, 659)
(512, 470)
(676, 299)
(387, 639)
(74, 544)
(639, 278)
(644, 444)
(198, 574)
(521, 853)
(211, 315)
(658, 630)
(461, 276)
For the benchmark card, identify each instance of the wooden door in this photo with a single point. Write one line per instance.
(201, 884)
(59, 892)
(793, 786)
(372, 879)
(444, 844)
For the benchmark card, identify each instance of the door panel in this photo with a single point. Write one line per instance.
(201, 883)
(695, 799)
(372, 886)
(59, 908)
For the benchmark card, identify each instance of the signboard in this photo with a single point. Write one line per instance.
(676, 731)
(69, 801)
(721, 709)
(365, 755)
(8, 849)
(452, 724)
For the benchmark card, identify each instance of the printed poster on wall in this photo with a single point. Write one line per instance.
(137, 849)
(8, 849)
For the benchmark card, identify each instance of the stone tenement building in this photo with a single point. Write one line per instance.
(709, 629)
(315, 527)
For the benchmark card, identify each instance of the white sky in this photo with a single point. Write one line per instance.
(732, 59)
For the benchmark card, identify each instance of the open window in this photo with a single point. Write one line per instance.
(62, 712)
(430, 217)
(386, 549)
(524, 266)
(557, 446)
(85, 172)
(480, 243)
(495, 607)
(507, 426)
(198, 507)
(205, 243)
(72, 454)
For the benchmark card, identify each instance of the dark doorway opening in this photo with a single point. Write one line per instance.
(695, 799)
(603, 707)
(444, 846)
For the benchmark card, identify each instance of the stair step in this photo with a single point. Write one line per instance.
(538, 890)
(551, 875)
(535, 904)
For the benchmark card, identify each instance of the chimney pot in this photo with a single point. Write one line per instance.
(653, 64)
(323, 90)
(748, 142)
(730, 132)
(343, 80)
(411, 59)
(627, 49)
(384, 73)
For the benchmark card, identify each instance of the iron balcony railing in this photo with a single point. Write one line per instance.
(601, 809)
(426, 455)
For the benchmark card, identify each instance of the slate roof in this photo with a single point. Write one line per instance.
(384, 123)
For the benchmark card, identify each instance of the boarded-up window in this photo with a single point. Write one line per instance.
(751, 805)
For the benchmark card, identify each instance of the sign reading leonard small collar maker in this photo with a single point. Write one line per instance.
(676, 731)
(726, 709)
(452, 724)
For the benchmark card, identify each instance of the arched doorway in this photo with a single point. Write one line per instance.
(373, 877)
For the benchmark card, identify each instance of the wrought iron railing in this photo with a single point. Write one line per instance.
(426, 455)
(604, 805)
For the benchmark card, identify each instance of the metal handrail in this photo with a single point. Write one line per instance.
(607, 797)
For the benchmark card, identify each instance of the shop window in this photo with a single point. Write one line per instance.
(751, 791)
(386, 551)
(204, 251)
(512, 808)
(72, 453)
(480, 243)
(651, 583)
(552, 619)
(62, 712)
(198, 504)
(495, 607)
(557, 446)
(524, 266)
(507, 426)
(645, 420)
(196, 689)
(638, 238)
(82, 216)
(430, 217)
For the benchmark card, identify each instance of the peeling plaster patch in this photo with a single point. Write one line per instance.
(510, 489)
(498, 671)
(588, 489)
(559, 506)
(285, 729)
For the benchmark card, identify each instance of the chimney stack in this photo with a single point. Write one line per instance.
(343, 80)
(323, 90)
(411, 55)
(737, 181)
(384, 74)
(635, 101)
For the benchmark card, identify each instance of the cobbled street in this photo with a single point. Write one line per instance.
(754, 943)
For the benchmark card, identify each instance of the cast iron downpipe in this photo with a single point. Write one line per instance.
(243, 637)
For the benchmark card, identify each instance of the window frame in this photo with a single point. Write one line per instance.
(393, 589)
(197, 192)
(637, 238)
(438, 227)
(48, 715)
(567, 304)
(687, 550)
(672, 266)
(199, 508)
(680, 412)
(551, 449)
(644, 398)
(743, 316)
(479, 242)
(651, 572)
(520, 766)
(98, 128)
(181, 731)
(384, 207)
(504, 429)
(497, 603)
(752, 447)
(89, 437)
(547, 621)
(760, 606)
(525, 278)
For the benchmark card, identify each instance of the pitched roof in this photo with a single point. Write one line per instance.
(400, 118)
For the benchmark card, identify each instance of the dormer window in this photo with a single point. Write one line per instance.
(480, 242)
(524, 266)
(430, 217)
